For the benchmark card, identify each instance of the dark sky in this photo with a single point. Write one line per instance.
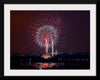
(75, 30)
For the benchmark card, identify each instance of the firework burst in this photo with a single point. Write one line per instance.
(46, 32)
(46, 28)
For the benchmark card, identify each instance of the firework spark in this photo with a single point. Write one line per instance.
(46, 32)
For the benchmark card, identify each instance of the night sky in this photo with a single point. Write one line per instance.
(74, 37)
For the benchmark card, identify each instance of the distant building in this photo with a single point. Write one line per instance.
(46, 56)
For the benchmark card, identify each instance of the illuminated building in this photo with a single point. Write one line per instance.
(46, 56)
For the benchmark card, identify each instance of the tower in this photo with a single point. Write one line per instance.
(52, 47)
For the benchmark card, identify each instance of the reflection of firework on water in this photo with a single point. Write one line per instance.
(45, 29)
(46, 65)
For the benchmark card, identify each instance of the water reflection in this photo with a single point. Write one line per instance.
(45, 65)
